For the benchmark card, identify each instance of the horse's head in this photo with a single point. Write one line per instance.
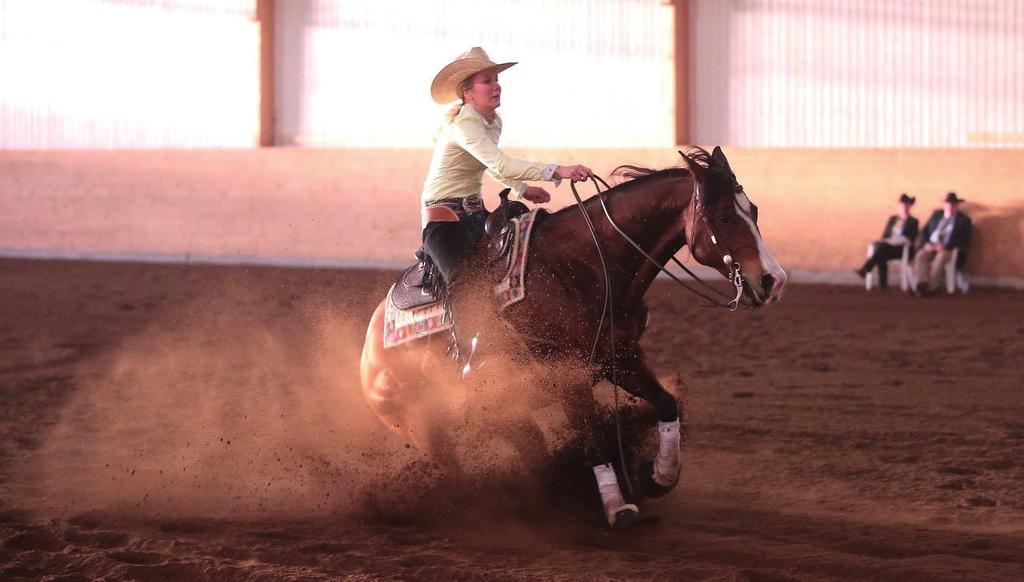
(723, 223)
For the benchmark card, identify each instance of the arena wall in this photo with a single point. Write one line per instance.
(360, 207)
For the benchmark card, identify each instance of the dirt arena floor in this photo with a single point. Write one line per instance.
(167, 422)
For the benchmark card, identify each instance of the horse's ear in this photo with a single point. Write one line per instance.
(696, 169)
(718, 157)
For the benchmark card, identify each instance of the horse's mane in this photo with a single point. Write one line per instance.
(628, 177)
(629, 172)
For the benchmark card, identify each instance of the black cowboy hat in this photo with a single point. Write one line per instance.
(951, 198)
(907, 199)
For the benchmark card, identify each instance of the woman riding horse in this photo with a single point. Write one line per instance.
(467, 146)
(701, 206)
(639, 226)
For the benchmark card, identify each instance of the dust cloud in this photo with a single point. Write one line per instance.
(208, 411)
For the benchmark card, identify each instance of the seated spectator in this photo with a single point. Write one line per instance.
(947, 229)
(900, 230)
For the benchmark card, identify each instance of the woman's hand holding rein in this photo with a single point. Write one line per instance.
(576, 173)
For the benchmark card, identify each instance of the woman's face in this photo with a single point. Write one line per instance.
(485, 92)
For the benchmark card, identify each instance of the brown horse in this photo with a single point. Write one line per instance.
(563, 324)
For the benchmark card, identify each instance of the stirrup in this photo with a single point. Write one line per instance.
(468, 366)
(463, 356)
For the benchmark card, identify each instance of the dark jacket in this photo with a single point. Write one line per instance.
(909, 230)
(960, 238)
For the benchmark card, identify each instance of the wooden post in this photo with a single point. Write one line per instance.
(682, 71)
(265, 16)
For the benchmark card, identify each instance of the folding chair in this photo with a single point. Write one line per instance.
(904, 265)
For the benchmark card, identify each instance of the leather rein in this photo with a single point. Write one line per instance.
(735, 275)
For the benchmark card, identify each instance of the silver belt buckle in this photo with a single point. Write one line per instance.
(472, 204)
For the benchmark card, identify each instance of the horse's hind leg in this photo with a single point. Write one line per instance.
(661, 475)
(581, 408)
(426, 425)
(398, 393)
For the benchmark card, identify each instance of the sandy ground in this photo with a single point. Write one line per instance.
(168, 422)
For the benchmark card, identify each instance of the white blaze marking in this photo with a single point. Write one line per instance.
(768, 263)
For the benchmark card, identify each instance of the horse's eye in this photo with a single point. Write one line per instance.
(726, 217)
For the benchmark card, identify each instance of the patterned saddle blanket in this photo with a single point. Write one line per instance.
(412, 309)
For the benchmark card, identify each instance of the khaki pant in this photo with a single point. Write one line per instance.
(929, 268)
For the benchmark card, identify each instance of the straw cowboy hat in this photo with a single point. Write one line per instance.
(445, 87)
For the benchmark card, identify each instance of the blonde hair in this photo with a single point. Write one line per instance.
(464, 86)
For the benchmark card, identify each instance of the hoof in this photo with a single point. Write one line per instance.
(648, 486)
(623, 516)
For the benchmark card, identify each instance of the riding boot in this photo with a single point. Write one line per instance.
(461, 303)
(450, 247)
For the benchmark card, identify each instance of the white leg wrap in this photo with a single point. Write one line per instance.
(666, 465)
(611, 495)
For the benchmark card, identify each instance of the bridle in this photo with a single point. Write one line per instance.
(735, 275)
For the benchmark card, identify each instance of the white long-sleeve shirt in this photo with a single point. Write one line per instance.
(466, 148)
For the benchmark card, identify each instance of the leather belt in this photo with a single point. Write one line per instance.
(467, 205)
(449, 209)
(439, 214)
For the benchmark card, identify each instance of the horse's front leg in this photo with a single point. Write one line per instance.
(581, 408)
(662, 475)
